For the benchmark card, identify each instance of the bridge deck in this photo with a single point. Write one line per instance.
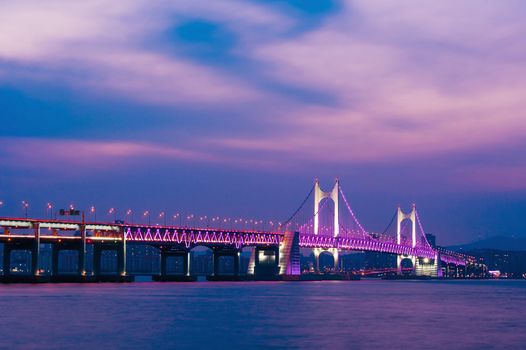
(192, 236)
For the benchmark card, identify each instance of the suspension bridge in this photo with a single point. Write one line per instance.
(325, 227)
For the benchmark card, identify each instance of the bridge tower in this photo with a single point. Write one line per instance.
(421, 266)
(401, 216)
(319, 195)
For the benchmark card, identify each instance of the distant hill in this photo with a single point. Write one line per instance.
(498, 242)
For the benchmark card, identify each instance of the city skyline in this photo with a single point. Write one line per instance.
(198, 108)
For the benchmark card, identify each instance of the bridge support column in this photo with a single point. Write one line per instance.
(97, 253)
(266, 262)
(215, 260)
(54, 259)
(163, 263)
(82, 252)
(289, 255)
(35, 253)
(336, 256)
(121, 259)
(7, 259)
(120, 249)
(237, 263)
(186, 264)
(316, 252)
(251, 261)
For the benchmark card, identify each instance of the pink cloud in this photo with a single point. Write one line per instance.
(56, 154)
(409, 80)
(106, 43)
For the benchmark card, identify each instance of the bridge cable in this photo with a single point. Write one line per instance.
(422, 232)
(352, 212)
(300, 207)
(390, 223)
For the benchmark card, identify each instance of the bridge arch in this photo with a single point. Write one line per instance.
(406, 265)
(326, 261)
(320, 257)
(319, 195)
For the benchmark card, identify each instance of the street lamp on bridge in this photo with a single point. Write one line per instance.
(129, 213)
(147, 213)
(177, 215)
(114, 212)
(25, 205)
(93, 212)
(188, 219)
(49, 208)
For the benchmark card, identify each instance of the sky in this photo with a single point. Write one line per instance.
(233, 108)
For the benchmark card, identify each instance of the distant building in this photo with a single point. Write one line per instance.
(431, 239)
(510, 264)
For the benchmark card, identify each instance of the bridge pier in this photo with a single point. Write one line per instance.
(79, 247)
(335, 254)
(120, 275)
(316, 252)
(31, 245)
(266, 264)
(399, 260)
(167, 277)
(236, 256)
(289, 255)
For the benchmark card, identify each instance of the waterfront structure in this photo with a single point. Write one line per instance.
(274, 253)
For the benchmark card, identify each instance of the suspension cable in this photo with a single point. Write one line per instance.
(297, 210)
(390, 223)
(351, 211)
(422, 232)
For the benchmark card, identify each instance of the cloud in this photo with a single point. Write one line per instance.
(60, 154)
(409, 80)
(406, 81)
(98, 48)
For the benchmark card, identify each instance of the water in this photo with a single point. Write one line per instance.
(367, 314)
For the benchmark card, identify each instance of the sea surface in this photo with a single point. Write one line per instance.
(367, 314)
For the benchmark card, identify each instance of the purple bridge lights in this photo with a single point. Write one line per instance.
(191, 237)
(325, 227)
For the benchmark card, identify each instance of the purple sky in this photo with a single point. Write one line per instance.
(232, 108)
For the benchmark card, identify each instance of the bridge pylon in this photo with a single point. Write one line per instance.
(401, 216)
(319, 195)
